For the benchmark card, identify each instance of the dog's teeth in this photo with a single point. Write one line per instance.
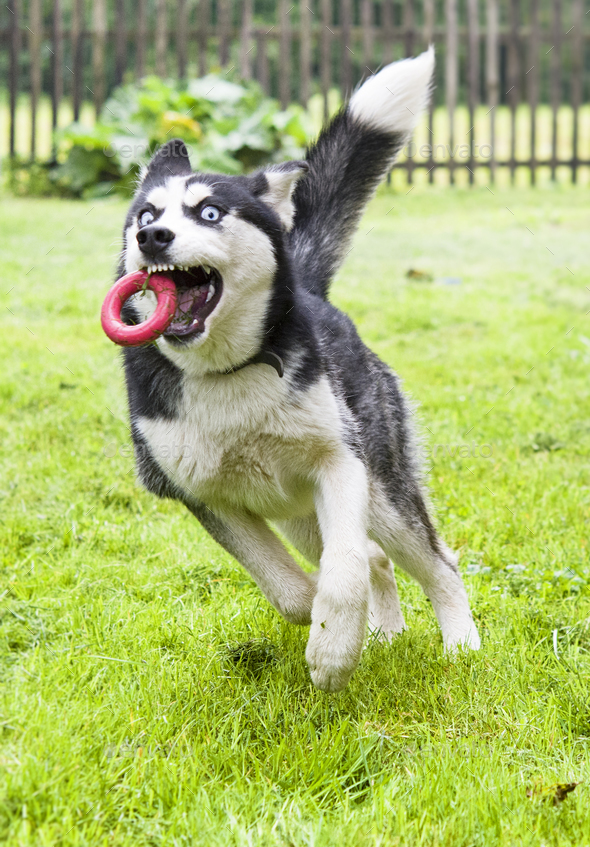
(207, 269)
(210, 293)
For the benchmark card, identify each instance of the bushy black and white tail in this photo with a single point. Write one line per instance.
(351, 156)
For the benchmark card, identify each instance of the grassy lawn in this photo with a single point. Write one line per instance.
(150, 696)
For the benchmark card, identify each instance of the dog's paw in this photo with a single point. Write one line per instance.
(335, 645)
(385, 632)
(330, 678)
(467, 640)
(385, 622)
(295, 607)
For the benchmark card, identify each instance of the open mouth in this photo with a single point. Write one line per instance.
(198, 291)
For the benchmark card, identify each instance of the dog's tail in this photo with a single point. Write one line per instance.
(351, 156)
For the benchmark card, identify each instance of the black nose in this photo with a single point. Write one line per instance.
(152, 239)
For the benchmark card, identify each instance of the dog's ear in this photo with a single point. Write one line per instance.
(170, 160)
(276, 189)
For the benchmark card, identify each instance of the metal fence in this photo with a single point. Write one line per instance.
(490, 53)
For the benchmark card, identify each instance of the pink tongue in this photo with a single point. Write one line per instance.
(190, 301)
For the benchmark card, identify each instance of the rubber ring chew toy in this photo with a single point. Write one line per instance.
(149, 330)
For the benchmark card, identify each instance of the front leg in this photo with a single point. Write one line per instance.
(248, 539)
(340, 608)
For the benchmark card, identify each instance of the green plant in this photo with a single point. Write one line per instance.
(25, 178)
(228, 126)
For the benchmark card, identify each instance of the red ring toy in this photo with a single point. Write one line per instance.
(149, 330)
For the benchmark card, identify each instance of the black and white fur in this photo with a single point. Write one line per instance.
(326, 453)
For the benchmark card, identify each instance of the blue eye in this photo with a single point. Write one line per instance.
(210, 213)
(145, 218)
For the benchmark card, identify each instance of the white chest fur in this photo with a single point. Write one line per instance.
(248, 440)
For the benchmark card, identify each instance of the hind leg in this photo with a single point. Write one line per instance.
(414, 545)
(304, 534)
(385, 615)
(249, 539)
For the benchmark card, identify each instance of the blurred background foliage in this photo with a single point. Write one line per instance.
(230, 127)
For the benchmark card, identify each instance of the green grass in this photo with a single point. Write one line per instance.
(149, 694)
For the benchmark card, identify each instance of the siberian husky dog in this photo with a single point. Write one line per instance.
(260, 406)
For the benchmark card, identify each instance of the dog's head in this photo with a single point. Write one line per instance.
(221, 239)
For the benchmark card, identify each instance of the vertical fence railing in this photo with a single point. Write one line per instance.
(532, 75)
(577, 79)
(451, 75)
(13, 38)
(36, 23)
(492, 76)
(490, 53)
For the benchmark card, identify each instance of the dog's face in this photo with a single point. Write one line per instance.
(220, 239)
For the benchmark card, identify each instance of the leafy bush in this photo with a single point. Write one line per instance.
(25, 178)
(229, 127)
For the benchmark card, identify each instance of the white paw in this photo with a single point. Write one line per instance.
(335, 645)
(385, 624)
(468, 640)
(296, 607)
(383, 632)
